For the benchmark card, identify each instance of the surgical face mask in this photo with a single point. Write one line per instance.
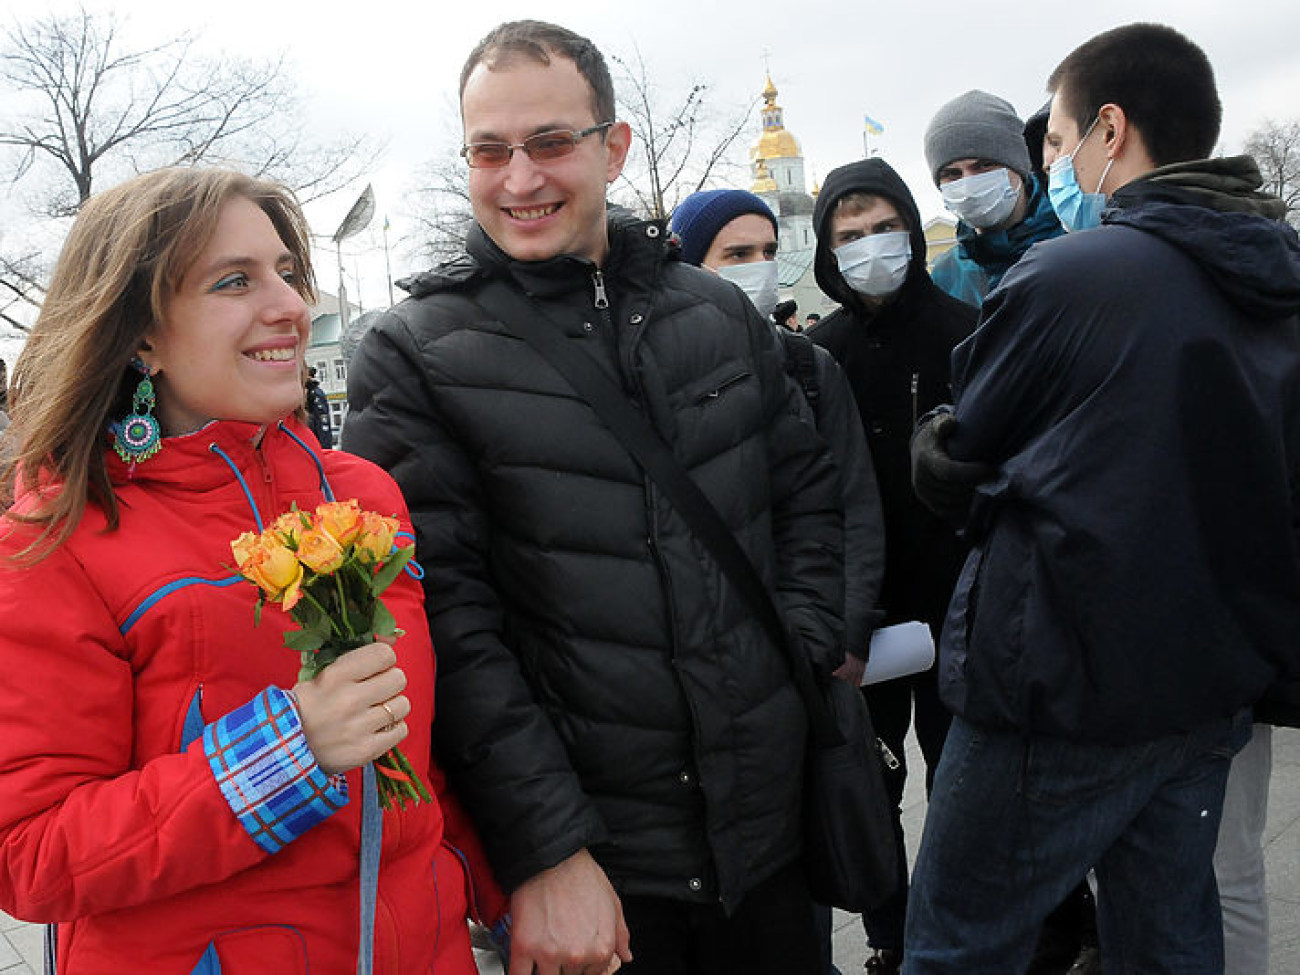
(757, 279)
(1076, 209)
(983, 200)
(876, 265)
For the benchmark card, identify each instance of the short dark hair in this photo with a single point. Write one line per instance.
(1163, 81)
(540, 41)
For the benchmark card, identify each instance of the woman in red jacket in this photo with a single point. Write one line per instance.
(170, 797)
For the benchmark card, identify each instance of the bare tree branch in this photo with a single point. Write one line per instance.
(20, 289)
(92, 107)
(88, 108)
(1276, 148)
(680, 141)
(441, 210)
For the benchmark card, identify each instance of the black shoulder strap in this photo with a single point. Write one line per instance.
(801, 365)
(645, 445)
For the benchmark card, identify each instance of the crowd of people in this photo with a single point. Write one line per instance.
(1070, 452)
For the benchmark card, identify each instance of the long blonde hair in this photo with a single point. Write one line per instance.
(123, 259)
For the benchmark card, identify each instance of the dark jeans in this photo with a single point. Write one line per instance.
(892, 705)
(770, 933)
(1016, 822)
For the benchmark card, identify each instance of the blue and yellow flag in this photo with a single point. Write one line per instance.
(871, 125)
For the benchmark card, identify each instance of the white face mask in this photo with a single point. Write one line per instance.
(983, 200)
(757, 279)
(876, 265)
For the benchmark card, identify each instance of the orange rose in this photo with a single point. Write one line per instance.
(319, 551)
(243, 548)
(342, 519)
(375, 543)
(271, 566)
(290, 526)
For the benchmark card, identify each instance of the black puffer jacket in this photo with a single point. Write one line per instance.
(599, 684)
(896, 359)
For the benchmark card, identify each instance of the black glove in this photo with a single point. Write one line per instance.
(944, 485)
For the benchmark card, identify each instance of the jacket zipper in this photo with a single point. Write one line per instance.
(598, 279)
(916, 381)
(268, 480)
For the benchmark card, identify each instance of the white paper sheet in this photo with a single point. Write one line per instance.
(899, 650)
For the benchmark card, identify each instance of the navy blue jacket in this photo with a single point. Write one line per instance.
(1136, 565)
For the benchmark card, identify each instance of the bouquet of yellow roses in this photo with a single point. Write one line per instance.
(327, 570)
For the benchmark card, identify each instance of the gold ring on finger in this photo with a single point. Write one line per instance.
(392, 718)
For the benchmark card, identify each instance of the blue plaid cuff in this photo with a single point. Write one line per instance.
(266, 772)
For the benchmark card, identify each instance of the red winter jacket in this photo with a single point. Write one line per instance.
(111, 820)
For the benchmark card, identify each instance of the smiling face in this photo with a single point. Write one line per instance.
(230, 342)
(538, 210)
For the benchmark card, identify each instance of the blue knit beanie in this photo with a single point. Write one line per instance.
(700, 216)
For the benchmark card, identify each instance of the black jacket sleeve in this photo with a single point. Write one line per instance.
(864, 526)
(807, 512)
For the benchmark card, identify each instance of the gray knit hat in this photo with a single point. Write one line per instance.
(976, 125)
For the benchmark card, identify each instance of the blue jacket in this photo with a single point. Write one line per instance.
(976, 265)
(1136, 562)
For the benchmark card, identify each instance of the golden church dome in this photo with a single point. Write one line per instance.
(775, 142)
(778, 144)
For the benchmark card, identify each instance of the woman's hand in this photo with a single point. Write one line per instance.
(354, 710)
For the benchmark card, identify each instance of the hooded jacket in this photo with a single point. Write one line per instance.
(127, 655)
(896, 360)
(600, 685)
(1136, 562)
(976, 265)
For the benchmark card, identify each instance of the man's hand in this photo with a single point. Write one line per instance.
(852, 669)
(944, 485)
(568, 921)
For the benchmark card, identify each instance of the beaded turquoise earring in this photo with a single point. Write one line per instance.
(137, 437)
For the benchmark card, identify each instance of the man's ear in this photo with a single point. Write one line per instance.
(1124, 143)
(618, 140)
(1116, 132)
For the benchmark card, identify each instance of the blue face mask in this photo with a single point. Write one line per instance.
(1076, 209)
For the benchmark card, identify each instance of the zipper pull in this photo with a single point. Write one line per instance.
(602, 299)
(916, 380)
(889, 758)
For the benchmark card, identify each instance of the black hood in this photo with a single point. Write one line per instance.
(1212, 210)
(873, 176)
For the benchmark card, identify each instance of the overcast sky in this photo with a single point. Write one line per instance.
(391, 68)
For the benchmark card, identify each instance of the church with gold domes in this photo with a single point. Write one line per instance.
(780, 180)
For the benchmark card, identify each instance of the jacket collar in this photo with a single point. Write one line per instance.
(197, 461)
(634, 245)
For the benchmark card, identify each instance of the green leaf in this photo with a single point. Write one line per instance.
(360, 622)
(383, 622)
(385, 576)
(303, 640)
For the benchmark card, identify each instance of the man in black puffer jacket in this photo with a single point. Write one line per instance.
(622, 730)
(893, 336)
